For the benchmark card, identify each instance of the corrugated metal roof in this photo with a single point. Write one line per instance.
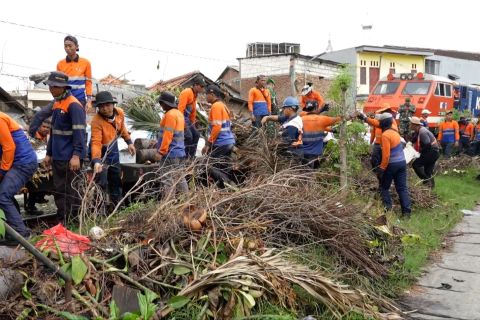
(178, 82)
(11, 101)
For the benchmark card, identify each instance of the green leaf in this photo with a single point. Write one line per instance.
(114, 311)
(130, 316)
(147, 308)
(69, 316)
(180, 270)
(79, 269)
(150, 295)
(222, 258)
(178, 301)
(25, 292)
(250, 301)
(24, 314)
(2, 223)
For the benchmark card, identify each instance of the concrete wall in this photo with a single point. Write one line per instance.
(467, 70)
(278, 68)
(270, 66)
(283, 87)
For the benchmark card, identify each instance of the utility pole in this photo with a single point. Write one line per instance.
(292, 76)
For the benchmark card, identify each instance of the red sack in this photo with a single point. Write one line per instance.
(67, 241)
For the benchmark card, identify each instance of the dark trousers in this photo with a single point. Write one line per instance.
(396, 172)
(424, 165)
(110, 181)
(475, 148)
(311, 160)
(172, 171)
(221, 161)
(376, 156)
(191, 137)
(464, 144)
(66, 197)
(447, 149)
(258, 121)
(12, 182)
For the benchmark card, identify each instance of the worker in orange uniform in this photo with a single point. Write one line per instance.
(79, 72)
(475, 142)
(465, 128)
(187, 104)
(17, 166)
(393, 166)
(259, 101)
(312, 96)
(221, 140)
(171, 146)
(107, 126)
(66, 147)
(315, 128)
(376, 133)
(448, 134)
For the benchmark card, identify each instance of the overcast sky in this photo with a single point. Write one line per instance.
(208, 35)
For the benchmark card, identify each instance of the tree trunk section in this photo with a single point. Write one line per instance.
(342, 144)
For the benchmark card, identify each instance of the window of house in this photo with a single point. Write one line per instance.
(384, 87)
(363, 75)
(392, 70)
(432, 66)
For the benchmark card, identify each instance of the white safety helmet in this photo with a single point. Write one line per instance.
(425, 111)
(306, 90)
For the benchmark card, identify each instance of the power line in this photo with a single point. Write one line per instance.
(21, 66)
(111, 41)
(128, 45)
(13, 75)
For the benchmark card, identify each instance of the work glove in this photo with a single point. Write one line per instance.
(326, 107)
(379, 172)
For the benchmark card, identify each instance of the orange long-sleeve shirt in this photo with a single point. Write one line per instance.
(219, 116)
(104, 132)
(257, 97)
(390, 143)
(467, 130)
(7, 125)
(79, 72)
(313, 95)
(448, 131)
(187, 104)
(378, 131)
(171, 133)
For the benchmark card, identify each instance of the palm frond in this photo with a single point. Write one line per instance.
(144, 113)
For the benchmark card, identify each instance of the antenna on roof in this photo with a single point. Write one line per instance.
(329, 45)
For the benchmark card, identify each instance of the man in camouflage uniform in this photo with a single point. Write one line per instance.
(271, 128)
(406, 111)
